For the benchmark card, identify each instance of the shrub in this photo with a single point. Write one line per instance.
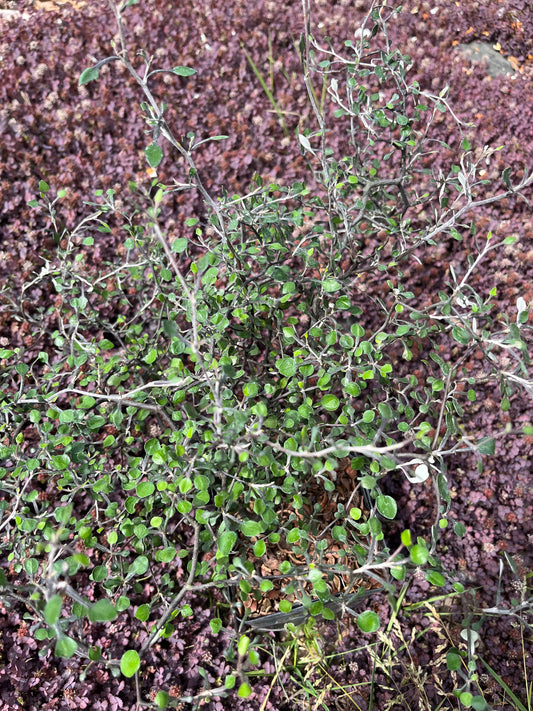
(203, 395)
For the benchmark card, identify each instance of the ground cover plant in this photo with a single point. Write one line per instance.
(230, 410)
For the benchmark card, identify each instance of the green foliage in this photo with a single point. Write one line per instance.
(368, 621)
(130, 662)
(241, 363)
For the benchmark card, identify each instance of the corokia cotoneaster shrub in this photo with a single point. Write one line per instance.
(203, 394)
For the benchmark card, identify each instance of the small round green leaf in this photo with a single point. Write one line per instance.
(99, 573)
(460, 335)
(144, 489)
(250, 389)
(398, 572)
(331, 285)
(435, 578)
(368, 621)
(139, 566)
(244, 690)
(88, 75)
(161, 699)
(52, 609)
(102, 611)
(60, 461)
(184, 507)
(96, 421)
(216, 625)
(184, 71)
(251, 528)
(487, 446)
(130, 662)
(343, 303)
(65, 647)
(437, 385)
(287, 366)
(387, 506)
(346, 342)
(419, 554)
(385, 410)
(229, 681)
(466, 699)
(459, 529)
(244, 643)
(94, 653)
(123, 603)
(166, 555)
(293, 536)
(225, 542)
(143, 612)
(259, 548)
(154, 155)
(453, 661)
(339, 533)
(330, 402)
(180, 245)
(316, 608)
(31, 566)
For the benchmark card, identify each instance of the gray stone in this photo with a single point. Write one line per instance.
(484, 53)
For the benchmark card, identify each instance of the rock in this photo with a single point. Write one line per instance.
(484, 53)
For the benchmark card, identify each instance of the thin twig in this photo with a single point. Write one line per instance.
(368, 450)
(184, 590)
